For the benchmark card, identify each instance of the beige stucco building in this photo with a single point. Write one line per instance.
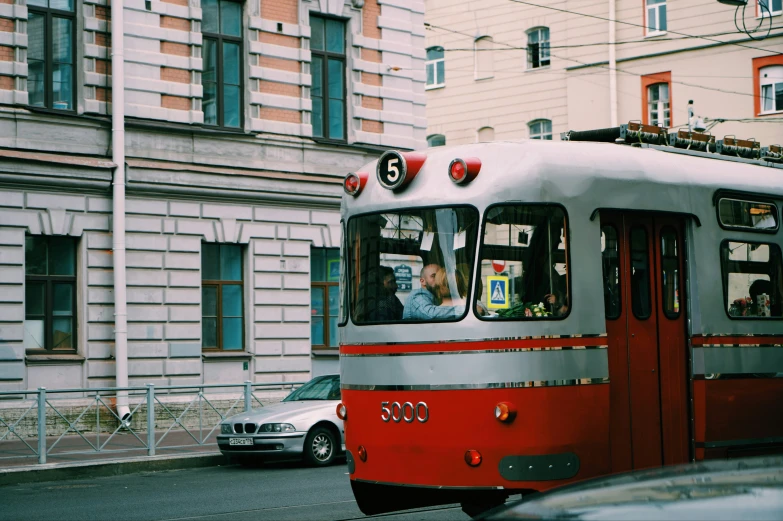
(508, 69)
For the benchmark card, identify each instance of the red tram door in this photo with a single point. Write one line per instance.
(644, 294)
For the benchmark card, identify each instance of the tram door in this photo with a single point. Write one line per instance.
(644, 298)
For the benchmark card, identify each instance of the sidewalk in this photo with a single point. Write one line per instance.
(73, 457)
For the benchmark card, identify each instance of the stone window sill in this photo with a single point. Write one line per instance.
(53, 359)
(218, 356)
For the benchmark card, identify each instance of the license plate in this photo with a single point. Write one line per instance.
(240, 441)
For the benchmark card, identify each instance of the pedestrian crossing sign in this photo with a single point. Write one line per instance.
(497, 296)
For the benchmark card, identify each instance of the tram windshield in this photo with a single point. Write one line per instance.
(524, 259)
(411, 265)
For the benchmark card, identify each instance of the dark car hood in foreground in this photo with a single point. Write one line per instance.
(734, 489)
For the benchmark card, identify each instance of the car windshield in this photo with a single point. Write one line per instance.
(322, 388)
(411, 265)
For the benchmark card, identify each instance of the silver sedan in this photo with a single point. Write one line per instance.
(304, 425)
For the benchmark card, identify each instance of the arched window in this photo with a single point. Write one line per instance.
(436, 68)
(436, 140)
(540, 129)
(486, 134)
(771, 82)
(538, 48)
(483, 58)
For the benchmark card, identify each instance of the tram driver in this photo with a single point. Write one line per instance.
(422, 303)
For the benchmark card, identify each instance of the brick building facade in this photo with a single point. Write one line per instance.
(242, 119)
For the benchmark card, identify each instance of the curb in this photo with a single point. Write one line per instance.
(117, 467)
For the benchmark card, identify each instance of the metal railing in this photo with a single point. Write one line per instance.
(167, 408)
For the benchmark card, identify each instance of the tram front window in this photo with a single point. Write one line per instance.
(411, 265)
(524, 261)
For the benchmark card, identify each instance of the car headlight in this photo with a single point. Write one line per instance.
(225, 428)
(277, 427)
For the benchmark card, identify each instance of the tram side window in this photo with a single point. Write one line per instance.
(523, 271)
(747, 215)
(389, 253)
(610, 257)
(752, 279)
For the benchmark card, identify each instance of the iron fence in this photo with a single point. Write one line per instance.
(156, 412)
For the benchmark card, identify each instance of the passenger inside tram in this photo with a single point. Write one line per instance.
(426, 302)
(443, 289)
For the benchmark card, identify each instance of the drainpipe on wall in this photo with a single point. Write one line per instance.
(118, 208)
(612, 63)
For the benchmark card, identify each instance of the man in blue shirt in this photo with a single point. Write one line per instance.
(421, 302)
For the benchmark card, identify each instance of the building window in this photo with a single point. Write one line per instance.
(770, 7)
(221, 26)
(484, 61)
(51, 49)
(222, 316)
(324, 297)
(538, 48)
(436, 68)
(657, 99)
(771, 81)
(327, 47)
(658, 107)
(50, 293)
(767, 85)
(655, 11)
(540, 129)
(436, 140)
(486, 134)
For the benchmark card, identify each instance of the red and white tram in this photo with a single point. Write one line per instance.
(519, 315)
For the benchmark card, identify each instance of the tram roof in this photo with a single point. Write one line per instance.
(582, 175)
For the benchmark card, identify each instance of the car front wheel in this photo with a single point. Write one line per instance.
(320, 447)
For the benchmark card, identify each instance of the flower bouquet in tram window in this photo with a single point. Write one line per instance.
(525, 309)
(741, 307)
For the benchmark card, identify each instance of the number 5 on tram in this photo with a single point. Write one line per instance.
(516, 316)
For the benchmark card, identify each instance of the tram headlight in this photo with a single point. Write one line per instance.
(353, 184)
(463, 171)
(341, 411)
(505, 412)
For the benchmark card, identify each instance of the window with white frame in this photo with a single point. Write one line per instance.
(436, 68)
(486, 134)
(658, 109)
(484, 61)
(770, 7)
(540, 129)
(436, 140)
(538, 48)
(656, 16)
(771, 83)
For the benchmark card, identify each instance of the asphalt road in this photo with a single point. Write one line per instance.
(279, 492)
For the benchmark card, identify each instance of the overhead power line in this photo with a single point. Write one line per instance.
(595, 44)
(617, 69)
(524, 2)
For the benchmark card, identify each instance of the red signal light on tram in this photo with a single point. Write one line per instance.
(473, 458)
(463, 171)
(505, 412)
(362, 453)
(341, 411)
(354, 183)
